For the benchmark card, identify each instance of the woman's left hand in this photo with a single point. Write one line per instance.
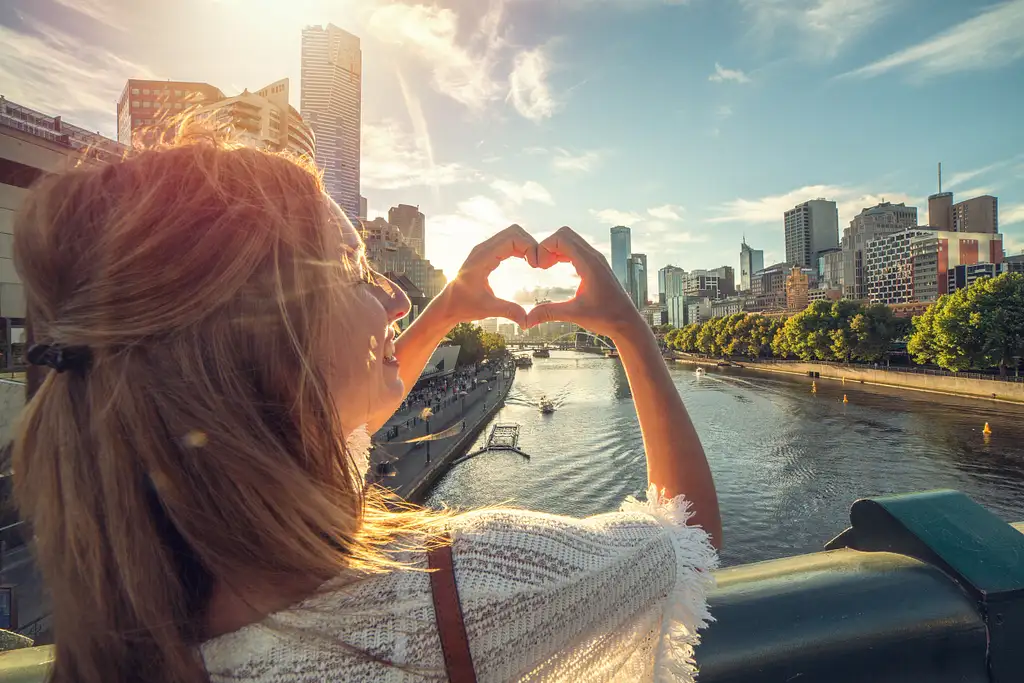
(470, 297)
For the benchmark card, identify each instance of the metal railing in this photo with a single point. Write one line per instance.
(938, 372)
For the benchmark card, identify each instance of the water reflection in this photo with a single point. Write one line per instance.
(787, 462)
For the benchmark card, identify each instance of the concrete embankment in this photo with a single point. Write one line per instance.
(948, 385)
(417, 489)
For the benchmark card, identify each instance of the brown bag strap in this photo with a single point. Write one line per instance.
(450, 625)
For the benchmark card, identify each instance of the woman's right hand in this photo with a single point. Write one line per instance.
(601, 305)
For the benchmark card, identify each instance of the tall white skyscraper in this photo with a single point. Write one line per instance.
(638, 281)
(622, 249)
(331, 103)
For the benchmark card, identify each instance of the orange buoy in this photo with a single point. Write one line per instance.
(987, 431)
(845, 400)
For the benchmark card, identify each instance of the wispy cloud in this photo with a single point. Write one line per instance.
(668, 212)
(528, 85)
(1012, 214)
(582, 162)
(824, 27)
(990, 40)
(772, 208)
(518, 193)
(394, 159)
(615, 217)
(56, 73)
(464, 72)
(97, 10)
(722, 75)
(962, 177)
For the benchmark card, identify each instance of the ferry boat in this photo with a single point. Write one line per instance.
(700, 372)
(524, 362)
(542, 353)
(546, 405)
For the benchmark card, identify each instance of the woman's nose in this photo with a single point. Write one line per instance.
(394, 299)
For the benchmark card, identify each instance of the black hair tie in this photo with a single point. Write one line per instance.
(59, 357)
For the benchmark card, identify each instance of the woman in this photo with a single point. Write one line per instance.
(193, 465)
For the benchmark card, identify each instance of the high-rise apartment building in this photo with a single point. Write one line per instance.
(980, 214)
(638, 279)
(262, 119)
(412, 224)
(388, 252)
(811, 227)
(670, 283)
(622, 248)
(961, 277)
(871, 223)
(935, 252)
(331, 103)
(363, 208)
(888, 267)
(751, 261)
(144, 105)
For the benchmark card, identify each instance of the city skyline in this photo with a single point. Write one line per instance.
(485, 114)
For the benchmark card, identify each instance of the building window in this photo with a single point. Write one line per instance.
(145, 91)
(147, 104)
(136, 103)
(138, 122)
(135, 91)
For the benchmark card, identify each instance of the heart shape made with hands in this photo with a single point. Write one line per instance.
(563, 253)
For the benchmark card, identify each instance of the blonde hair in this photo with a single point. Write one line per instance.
(202, 443)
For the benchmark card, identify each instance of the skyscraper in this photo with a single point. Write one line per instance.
(670, 283)
(331, 103)
(622, 248)
(411, 222)
(144, 105)
(638, 279)
(980, 214)
(871, 223)
(811, 227)
(751, 261)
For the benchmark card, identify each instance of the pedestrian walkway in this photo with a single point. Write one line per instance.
(409, 460)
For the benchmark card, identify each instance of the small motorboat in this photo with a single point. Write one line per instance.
(611, 354)
(542, 353)
(546, 406)
(524, 362)
(700, 372)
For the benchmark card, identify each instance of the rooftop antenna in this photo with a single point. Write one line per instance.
(940, 177)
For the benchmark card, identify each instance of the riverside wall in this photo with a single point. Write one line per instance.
(416, 490)
(990, 389)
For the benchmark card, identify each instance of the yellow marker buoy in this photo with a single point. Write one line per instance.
(845, 400)
(844, 381)
(814, 387)
(987, 431)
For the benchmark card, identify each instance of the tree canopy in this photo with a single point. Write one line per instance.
(476, 344)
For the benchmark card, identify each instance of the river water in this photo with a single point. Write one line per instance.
(787, 462)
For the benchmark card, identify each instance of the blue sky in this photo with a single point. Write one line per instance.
(695, 122)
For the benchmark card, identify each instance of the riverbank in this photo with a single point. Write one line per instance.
(417, 467)
(947, 385)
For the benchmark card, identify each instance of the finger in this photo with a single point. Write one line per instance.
(565, 246)
(562, 311)
(509, 311)
(513, 241)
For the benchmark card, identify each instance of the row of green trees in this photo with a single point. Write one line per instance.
(476, 344)
(827, 330)
(977, 328)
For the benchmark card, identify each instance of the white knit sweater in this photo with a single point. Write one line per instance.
(616, 597)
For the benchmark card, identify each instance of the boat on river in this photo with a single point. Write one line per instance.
(542, 353)
(700, 372)
(611, 354)
(547, 406)
(524, 362)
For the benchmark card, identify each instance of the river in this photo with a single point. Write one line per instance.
(787, 462)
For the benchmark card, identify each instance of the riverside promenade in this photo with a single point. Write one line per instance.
(416, 466)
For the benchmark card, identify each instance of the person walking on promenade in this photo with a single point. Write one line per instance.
(217, 351)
